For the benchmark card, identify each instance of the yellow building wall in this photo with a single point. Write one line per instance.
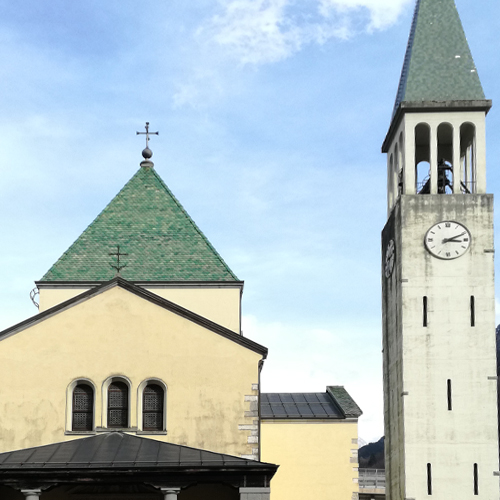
(117, 333)
(220, 305)
(317, 459)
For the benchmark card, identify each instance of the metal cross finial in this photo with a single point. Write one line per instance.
(147, 134)
(118, 255)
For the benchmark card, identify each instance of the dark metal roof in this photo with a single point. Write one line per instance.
(299, 405)
(116, 450)
(333, 404)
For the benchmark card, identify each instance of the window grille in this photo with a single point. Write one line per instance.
(152, 408)
(117, 404)
(83, 408)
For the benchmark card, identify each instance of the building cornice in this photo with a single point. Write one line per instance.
(431, 107)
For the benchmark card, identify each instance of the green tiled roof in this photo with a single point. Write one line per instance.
(344, 400)
(438, 65)
(150, 225)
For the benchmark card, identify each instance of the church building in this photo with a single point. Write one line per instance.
(134, 381)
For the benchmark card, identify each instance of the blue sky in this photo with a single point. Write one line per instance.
(271, 116)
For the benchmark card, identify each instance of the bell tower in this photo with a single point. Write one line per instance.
(438, 272)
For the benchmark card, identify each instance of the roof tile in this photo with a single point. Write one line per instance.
(438, 65)
(162, 241)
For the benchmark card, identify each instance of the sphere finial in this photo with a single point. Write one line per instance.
(146, 152)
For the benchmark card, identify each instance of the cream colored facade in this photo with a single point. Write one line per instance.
(118, 334)
(210, 376)
(318, 458)
(220, 303)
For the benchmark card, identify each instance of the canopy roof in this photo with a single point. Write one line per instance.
(116, 450)
(115, 458)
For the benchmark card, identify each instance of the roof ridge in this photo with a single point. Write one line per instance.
(405, 69)
(183, 446)
(43, 446)
(193, 223)
(91, 224)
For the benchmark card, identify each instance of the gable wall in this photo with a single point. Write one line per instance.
(209, 378)
(220, 305)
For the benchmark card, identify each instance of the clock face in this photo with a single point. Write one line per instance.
(389, 258)
(447, 240)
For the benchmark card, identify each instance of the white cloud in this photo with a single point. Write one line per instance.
(266, 31)
(256, 30)
(381, 13)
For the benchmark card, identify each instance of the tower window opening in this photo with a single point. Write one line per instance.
(476, 485)
(424, 311)
(468, 158)
(472, 311)
(391, 182)
(429, 479)
(445, 177)
(448, 387)
(400, 163)
(422, 158)
(445, 159)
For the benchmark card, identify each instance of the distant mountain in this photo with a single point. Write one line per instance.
(371, 456)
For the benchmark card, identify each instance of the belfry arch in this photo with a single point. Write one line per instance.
(422, 157)
(445, 158)
(468, 158)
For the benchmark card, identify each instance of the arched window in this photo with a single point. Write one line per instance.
(152, 408)
(83, 408)
(118, 404)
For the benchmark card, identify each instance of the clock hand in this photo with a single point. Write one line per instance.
(454, 238)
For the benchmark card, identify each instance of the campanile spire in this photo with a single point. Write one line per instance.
(438, 65)
(436, 139)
